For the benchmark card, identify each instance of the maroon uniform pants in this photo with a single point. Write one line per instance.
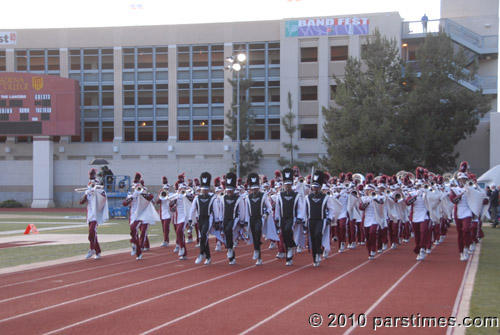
(94, 244)
(464, 233)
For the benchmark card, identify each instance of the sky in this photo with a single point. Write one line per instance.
(104, 13)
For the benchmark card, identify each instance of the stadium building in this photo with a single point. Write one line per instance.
(155, 99)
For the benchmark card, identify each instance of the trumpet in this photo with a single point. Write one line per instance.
(388, 191)
(301, 180)
(470, 183)
(373, 194)
(91, 187)
(163, 194)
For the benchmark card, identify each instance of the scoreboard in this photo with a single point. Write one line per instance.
(34, 104)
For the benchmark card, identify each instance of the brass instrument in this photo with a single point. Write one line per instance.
(426, 186)
(398, 196)
(358, 177)
(163, 194)
(470, 183)
(301, 180)
(139, 189)
(373, 194)
(355, 193)
(92, 187)
(388, 191)
(347, 184)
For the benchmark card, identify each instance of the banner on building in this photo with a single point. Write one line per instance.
(327, 26)
(8, 37)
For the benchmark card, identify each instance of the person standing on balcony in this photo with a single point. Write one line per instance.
(424, 20)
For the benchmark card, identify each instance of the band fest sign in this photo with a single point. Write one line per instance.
(327, 26)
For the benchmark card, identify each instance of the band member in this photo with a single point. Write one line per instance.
(181, 213)
(164, 202)
(419, 216)
(97, 212)
(289, 212)
(203, 210)
(233, 209)
(342, 221)
(258, 208)
(462, 212)
(319, 213)
(373, 206)
(137, 208)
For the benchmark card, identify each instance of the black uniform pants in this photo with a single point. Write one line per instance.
(204, 223)
(228, 232)
(286, 229)
(256, 228)
(316, 235)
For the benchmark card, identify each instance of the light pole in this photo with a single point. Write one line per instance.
(235, 64)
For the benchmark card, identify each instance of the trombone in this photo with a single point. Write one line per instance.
(91, 186)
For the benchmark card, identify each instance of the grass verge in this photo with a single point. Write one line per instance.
(485, 300)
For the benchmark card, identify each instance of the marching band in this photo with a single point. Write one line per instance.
(295, 212)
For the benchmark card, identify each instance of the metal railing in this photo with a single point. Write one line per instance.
(459, 33)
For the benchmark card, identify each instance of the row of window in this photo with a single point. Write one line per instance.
(337, 53)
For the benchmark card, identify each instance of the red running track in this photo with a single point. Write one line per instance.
(160, 294)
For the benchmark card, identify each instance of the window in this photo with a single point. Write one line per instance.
(274, 129)
(74, 60)
(217, 130)
(145, 131)
(309, 54)
(200, 130)
(200, 93)
(128, 58)
(308, 131)
(107, 131)
(257, 55)
(161, 94)
(257, 92)
(145, 94)
(145, 58)
(161, 57)
(274, 53)
(200, 56)
(217, 93)
(183, 94)
(91, 131)
(90, 59)
(3, 61)
(21, 60)
(258, 130)
(161, 130)
(129, 95)
(107, 59)
(183, 56)
(217, 55)
(274, 91)
(183, 130)
(129, 131)
(53, 60)
(308, 93)
(338, 52)
(37, 60)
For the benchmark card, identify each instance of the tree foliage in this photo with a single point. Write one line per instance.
(249, 156)
(441, 111)
(363, 132)
(386, 120)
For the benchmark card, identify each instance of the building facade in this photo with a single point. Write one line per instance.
(155, 99)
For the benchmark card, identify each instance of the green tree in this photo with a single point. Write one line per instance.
(363, 132)
(249, 156)
(288, 122)
(441, 110)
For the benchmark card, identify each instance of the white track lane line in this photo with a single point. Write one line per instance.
(379, 300)
(153, 298)
(456, 305)
(223, 300)
(105, 292)
(242, 292)
(89, 280)
(71, 272)
(86, 281)
(306, 296)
